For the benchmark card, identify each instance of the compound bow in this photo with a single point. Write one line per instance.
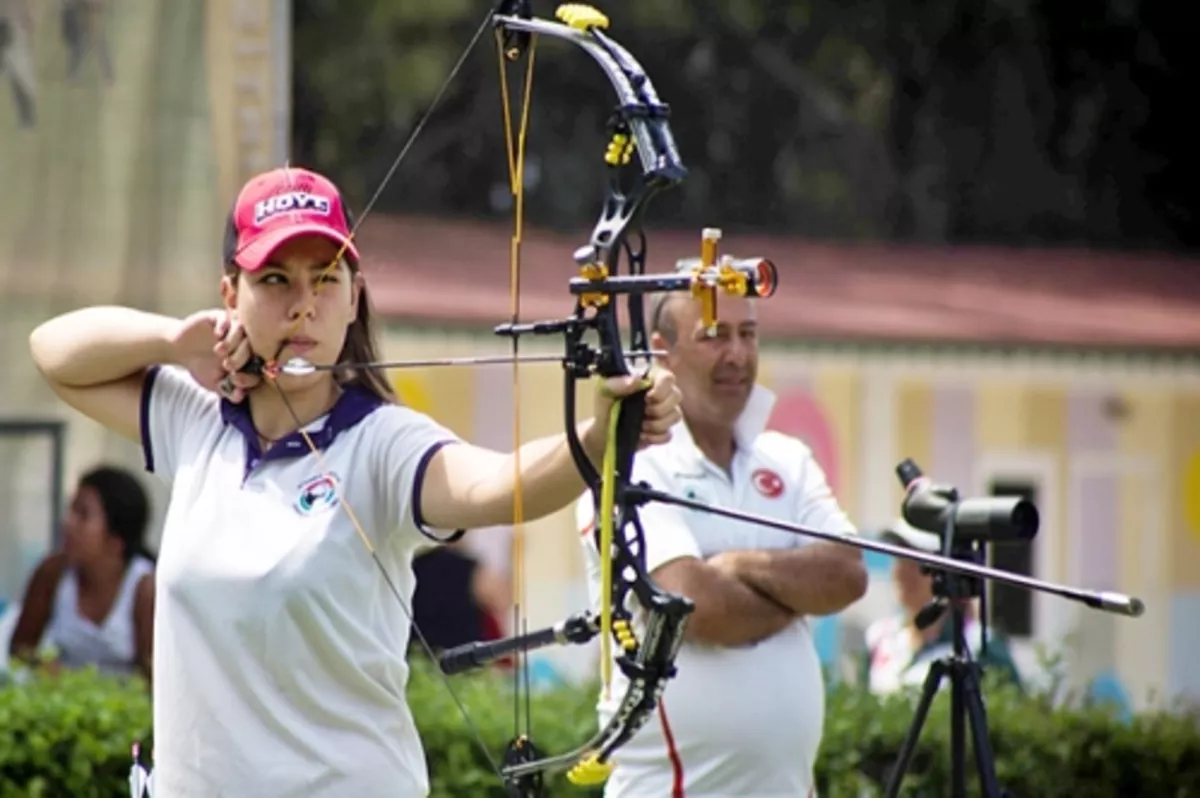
(638, 128)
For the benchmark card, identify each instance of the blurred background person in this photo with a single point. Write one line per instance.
(84, 29)
(92, 601)
(898, 653)
(16, 56)
(458, 598)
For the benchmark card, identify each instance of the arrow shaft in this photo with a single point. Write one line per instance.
(300, 366)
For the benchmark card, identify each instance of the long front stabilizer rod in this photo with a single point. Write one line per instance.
(1109, 601)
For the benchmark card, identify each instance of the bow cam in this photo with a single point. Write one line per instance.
(515, 42)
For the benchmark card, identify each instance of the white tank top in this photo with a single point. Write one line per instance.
(110, 645)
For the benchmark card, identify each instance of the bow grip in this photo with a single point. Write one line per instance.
(631, 413)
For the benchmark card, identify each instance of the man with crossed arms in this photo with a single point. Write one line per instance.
(743, 715)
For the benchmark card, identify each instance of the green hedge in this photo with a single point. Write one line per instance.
(70, 735)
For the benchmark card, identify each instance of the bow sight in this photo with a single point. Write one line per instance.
(595, 289)
(741, 277)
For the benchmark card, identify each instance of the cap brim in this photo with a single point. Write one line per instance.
(255, 254)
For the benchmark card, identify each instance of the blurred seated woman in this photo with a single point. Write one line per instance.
(93, 600)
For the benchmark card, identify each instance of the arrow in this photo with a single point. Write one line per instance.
(299, 367)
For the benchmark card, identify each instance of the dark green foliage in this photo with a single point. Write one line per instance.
(71, 735)
(962, 121)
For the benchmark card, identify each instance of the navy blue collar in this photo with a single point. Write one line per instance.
(355, 404)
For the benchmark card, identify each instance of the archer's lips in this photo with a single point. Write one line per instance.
(300, 344)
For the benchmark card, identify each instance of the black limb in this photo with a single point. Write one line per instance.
(530, 785)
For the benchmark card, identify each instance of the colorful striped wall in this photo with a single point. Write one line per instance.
(1113, 448)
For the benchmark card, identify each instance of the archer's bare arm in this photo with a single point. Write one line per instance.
(96, 359)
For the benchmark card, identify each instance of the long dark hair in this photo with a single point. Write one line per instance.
(125, 505)
(360, 345)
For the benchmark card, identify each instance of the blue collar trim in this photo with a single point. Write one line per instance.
(355, 404)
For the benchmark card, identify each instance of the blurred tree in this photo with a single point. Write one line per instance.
(1024, 121)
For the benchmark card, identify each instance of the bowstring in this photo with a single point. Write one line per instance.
(515, 152)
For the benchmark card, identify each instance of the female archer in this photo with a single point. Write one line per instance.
(279, 654)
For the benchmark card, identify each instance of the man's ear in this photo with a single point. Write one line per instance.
(659, 343)
(229, 291)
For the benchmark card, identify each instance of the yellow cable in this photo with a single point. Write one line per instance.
(516, 178)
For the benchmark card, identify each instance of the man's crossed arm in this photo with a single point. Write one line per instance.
(821, 578)
(745, 596)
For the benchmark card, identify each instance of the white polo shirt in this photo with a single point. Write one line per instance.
(744, 721)
(279, 651)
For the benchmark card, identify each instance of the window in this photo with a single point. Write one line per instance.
(1010, 608)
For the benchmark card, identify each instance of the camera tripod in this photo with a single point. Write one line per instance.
(963, 526)
(966, 693)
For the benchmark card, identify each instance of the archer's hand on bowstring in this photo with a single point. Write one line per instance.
(212, 346)
(662, 408)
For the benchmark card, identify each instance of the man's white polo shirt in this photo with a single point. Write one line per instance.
(279, 650)
(747, 721)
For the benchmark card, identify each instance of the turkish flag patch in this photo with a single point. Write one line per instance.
(767, 482)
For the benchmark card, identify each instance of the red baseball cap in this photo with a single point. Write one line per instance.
(276, 206)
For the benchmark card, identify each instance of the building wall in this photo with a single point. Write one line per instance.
(1113, 448)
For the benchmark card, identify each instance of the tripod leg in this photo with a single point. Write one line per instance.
(958, 730)
(936, 671)
(984, 760)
